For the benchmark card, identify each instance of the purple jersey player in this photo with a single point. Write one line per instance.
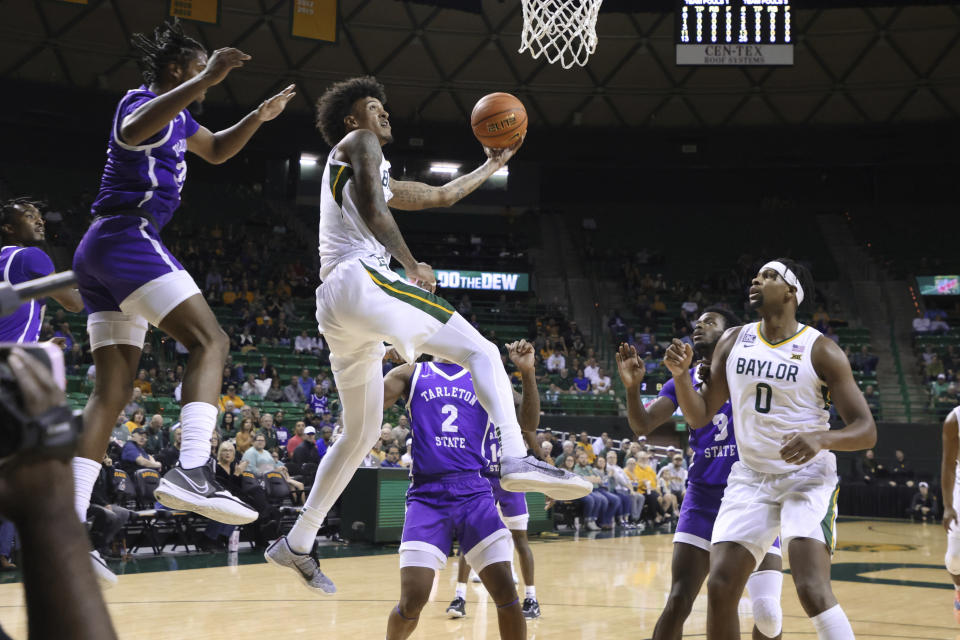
(449, 496)
(128, 279)
(21, 230)
(714, 452)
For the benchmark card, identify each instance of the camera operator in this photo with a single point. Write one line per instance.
(62, 595)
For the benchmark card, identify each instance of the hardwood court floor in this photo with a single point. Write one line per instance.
(888, 576)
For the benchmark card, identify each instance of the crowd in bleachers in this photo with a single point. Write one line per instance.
(938, 347)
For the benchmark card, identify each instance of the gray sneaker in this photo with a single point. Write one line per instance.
(530, 474)
(304, 564)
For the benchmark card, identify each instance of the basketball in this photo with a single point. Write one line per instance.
(498, 120)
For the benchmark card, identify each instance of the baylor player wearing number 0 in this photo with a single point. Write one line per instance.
(714, 453)
(362, 303)
(949, 475)
(779, 377)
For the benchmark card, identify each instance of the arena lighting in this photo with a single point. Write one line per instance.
(309, 159)
(448, 168)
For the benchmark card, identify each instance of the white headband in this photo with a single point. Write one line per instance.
(788, 276)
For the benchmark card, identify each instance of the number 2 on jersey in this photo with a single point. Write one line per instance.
(451, 412)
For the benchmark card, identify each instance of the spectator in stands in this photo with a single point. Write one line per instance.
(563, 380)
(137, 420)
(592, 502)
(134, 455)
(274, 393)
(244, 439)
(622, 487)
(228, 425)
(567, 449)
(584, 444)
(120, 433)
(164, 385)
(387, 439)
(293, 392)
(821, 319)
(938, 323)
(900, 472)
(259, 461)
(170, 454)
(546, 452)
(305, 344)
(581, 384)
(617, 326)
(616, 507)
(658, 306)
(673, 477)
(231, 396)
(556, 362)
(832, 335)
(296, 438)
(250, 388)
(155, 439)
(923, 507)
(307, 450)
(950, 359)
(867, 468)
(63, 332)
(325, 441)
(143, 383)
(392, 459)
(318, 400)
(937, 386)
(864, 361)
(556, 447)
(108, 518)
(592, 370)
(872, 398)
(647, 484)
(136, 402)
(948, 398)
(934, 368)
(603, 383)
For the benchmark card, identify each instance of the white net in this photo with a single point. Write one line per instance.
(563, 31)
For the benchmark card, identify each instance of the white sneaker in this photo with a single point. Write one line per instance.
(529, 474)
(474, 577)
(592, 525)
(105, 577)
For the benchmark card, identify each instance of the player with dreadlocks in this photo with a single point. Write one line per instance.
(22, 232)
(128, 278)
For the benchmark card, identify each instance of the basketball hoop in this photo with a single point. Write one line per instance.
(563, 31)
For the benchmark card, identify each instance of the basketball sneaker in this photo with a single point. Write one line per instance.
(531, 608)
(529, 474)
(197, 490)
(473, 576)
(303, 564)
(956, 605)
(105, 577)
(457, 608)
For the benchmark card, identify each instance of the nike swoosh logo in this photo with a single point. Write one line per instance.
(196, 487)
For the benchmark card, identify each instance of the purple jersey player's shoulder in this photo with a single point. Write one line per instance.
(19, 264)
(714, 445)
(147, 176)
(447, 421)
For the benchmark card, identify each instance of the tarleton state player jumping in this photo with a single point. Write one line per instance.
(714, 452)
(779, 376)
(949, 470)
(362, 303)
(448, 495)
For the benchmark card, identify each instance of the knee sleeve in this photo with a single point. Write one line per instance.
(952, 557)
(765, 588)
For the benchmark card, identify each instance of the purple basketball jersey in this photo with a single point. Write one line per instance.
(447, 421)
(19, 264)
(146, 177)
(714, 445)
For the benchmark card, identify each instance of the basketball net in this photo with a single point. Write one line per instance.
(563, 31)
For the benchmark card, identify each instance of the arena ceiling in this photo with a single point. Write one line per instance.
(853, 65)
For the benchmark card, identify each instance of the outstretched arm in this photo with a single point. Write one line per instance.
(699, 407)
(860, 431)
(69, 298)
(413, 196)
(155, 115)
(217, 148)
(522, 355)
(642, 419)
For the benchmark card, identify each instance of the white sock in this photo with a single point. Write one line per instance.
(197, 420)
(304, 532)
(85, 474)
(462, 590)
(832, 624)
(530, 591)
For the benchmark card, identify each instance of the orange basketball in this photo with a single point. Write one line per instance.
(498, 120)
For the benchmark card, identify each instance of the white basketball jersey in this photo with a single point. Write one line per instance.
(774, 390)
(343, 233)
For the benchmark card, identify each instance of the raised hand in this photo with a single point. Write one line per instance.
(272, 107)
(522, 354)
(630, 366)
(502, 156)
(222, 62)
(678, 358)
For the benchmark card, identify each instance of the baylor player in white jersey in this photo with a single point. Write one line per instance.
(779, 376)
(362, 303)
(950, 485)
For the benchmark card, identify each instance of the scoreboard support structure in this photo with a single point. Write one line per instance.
(734, 33)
